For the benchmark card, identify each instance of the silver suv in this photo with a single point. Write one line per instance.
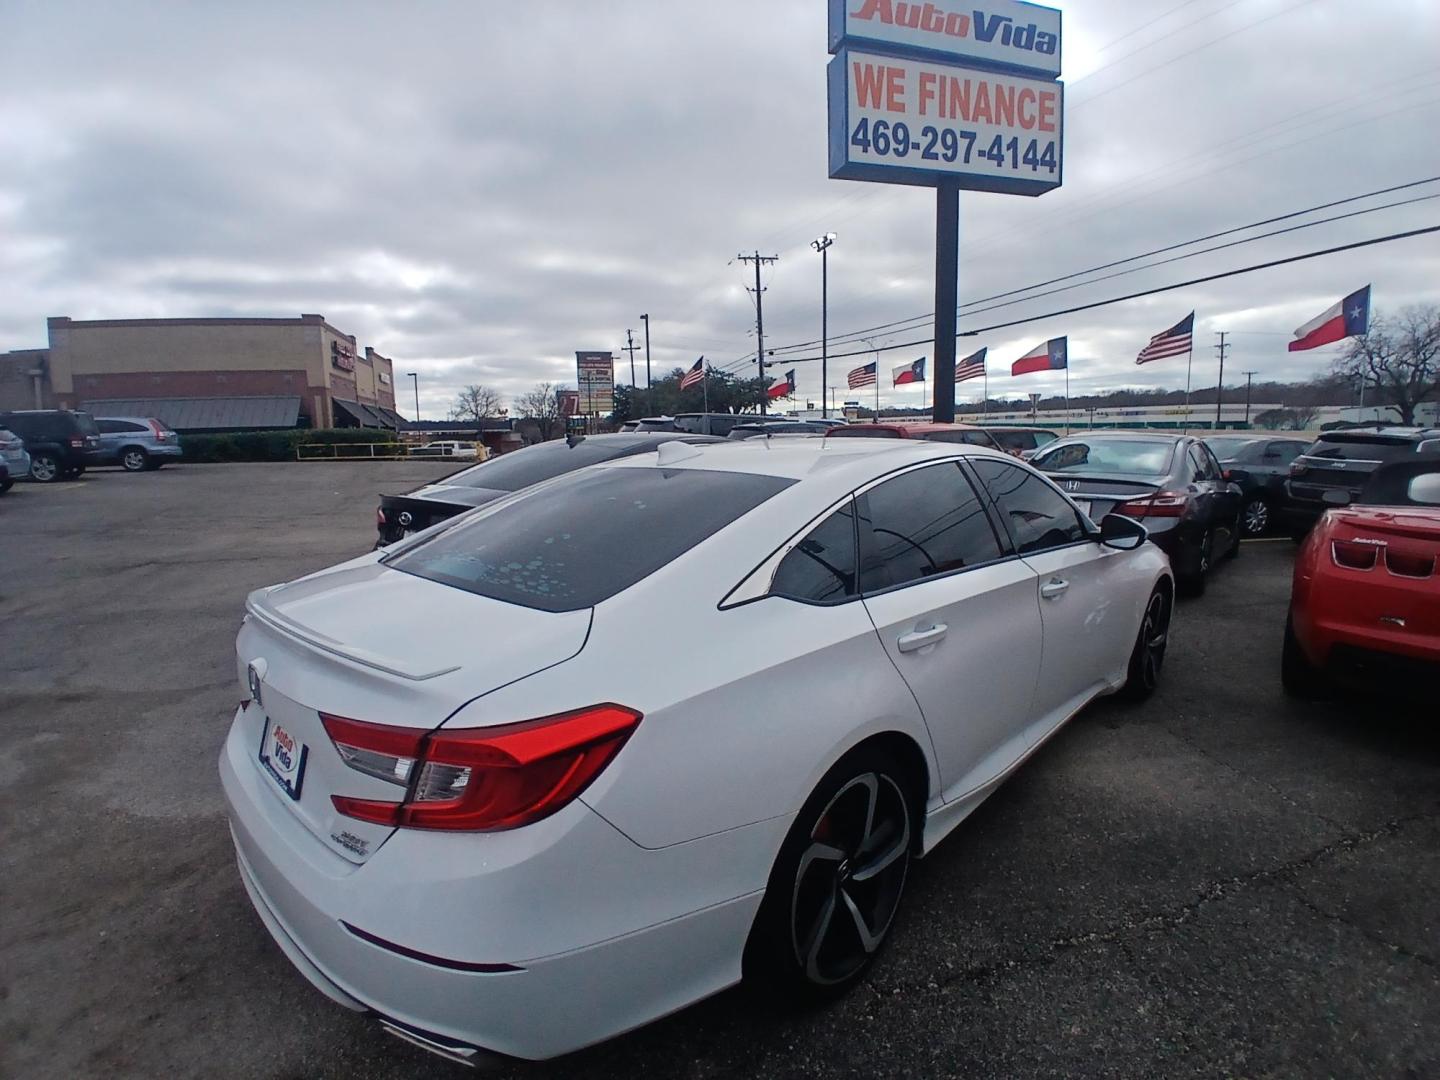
(137, 442)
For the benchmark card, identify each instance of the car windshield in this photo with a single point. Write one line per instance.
(1128, 457)
(571, 544)
(513, 471)
(1229, 447)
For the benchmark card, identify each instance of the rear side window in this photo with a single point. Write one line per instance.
(111, 427)
(821, 568)
(1015, 440)
(1039, 517)
(922, 523)
(577, 542)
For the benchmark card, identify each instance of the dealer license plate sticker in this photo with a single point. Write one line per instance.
(283, 756)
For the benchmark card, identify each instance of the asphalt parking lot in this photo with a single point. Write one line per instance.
(1221, 882)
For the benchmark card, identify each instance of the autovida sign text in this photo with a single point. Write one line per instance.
(943, 91)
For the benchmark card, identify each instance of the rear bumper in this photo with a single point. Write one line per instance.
(522, 900)
(1382, 659)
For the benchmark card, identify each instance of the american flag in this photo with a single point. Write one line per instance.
(1170, 342)
(695, 376)
(972, 367)
(863, 376)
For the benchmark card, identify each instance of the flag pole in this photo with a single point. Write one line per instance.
(985, 406)
(705, 382)
(1067, 394)
(1189, 359)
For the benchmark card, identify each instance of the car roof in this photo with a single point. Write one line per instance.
(797, 459)
(1128, 436)
(915, 425)
(132, 419)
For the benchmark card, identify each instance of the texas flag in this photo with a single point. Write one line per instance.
(1346, 319)
(1050, 356)
(784, 388)
(909, 373)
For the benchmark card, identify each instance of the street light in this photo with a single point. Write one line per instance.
(416, 379)
(822, 245)
(649, 401)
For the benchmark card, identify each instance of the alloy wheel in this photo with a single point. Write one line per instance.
(133, 460)
(1256, 517)
(1154, 636)
(44, 468)
(1206, 543)
(848, 884)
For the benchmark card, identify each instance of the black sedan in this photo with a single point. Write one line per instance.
(1173, 484)
(401, 515)
(1259, 466)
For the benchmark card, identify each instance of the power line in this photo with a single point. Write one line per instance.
(1137, 295)
(899, 324)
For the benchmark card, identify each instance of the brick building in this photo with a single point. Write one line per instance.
(206, 374)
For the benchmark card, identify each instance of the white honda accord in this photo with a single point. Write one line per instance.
(590, 753)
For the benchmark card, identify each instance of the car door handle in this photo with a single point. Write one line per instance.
(918, 639)
(1053, 588)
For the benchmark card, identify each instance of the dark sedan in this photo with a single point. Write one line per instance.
(1259, 465)
(1173, 484)
(401, 515)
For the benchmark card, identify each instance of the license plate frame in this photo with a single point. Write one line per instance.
(290, 779)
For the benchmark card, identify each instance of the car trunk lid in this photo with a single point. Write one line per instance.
(368, 643)
(1100, 495)
(1396, 552)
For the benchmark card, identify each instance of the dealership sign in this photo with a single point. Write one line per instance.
(944, 92)
(595, 376)
(916, 121)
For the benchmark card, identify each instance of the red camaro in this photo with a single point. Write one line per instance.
(1365, 605)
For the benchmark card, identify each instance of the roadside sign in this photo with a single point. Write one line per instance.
(1002, 35)
(595, 377)
(902, 121)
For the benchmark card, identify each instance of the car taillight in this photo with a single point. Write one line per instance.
(380, 522)
(160, 433)
(1354, 555)
(480, 779)
(1298, 468)
(1407, 564)
(1161, 504)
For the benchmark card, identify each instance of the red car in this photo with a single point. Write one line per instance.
(1365, 604)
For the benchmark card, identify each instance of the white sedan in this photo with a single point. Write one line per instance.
(608, 744)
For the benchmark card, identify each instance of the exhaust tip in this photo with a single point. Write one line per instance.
(460, 1053)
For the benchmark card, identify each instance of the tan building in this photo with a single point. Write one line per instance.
(206, 374)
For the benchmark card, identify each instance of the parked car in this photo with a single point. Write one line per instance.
(1343, 461)
(61, 444)
(1172, 483)
(402, 515)
(968, 434)
(714, 423)
(778, 427)
(655, 423)
(1365, 599)
(1260, 466)
(1021, 441)
(450, 448)
(14, 461)
(137, 443)
(568, 758)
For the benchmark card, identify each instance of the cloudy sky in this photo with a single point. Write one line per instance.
(479, 189)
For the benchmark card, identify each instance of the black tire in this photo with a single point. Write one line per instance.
(1256, 516)
(1299, 677)
(134, 459)
(6, 485)
(1236, 532)
(45, 467)
(1148, 656)
(807, 944)
(1193, 584)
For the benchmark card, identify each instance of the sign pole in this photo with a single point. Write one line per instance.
(947, 285)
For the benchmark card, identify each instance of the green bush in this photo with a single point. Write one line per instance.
(271, 445)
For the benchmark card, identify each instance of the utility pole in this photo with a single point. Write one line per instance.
(1220, 382)
(822, 245)
(947, 284)
(1248, 376)
(649, 401)
(630, 347)
(415, 378)
(832, 389)
(757, 259)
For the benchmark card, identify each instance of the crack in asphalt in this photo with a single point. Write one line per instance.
(1370, 935)
(1210, 893)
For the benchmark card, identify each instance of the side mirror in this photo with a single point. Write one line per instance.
(1429, 446)
(1122, 533)
(1236, 476)
(1335, 497)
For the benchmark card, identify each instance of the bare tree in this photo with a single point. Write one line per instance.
(541, 403)
(1400, 357)
(476, 403)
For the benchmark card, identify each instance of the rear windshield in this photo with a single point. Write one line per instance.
(1361, 449)
(1229, 448)
(576, 543)
(855, 432)
(1127, 457)
(521, 468)
(1015, 440)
